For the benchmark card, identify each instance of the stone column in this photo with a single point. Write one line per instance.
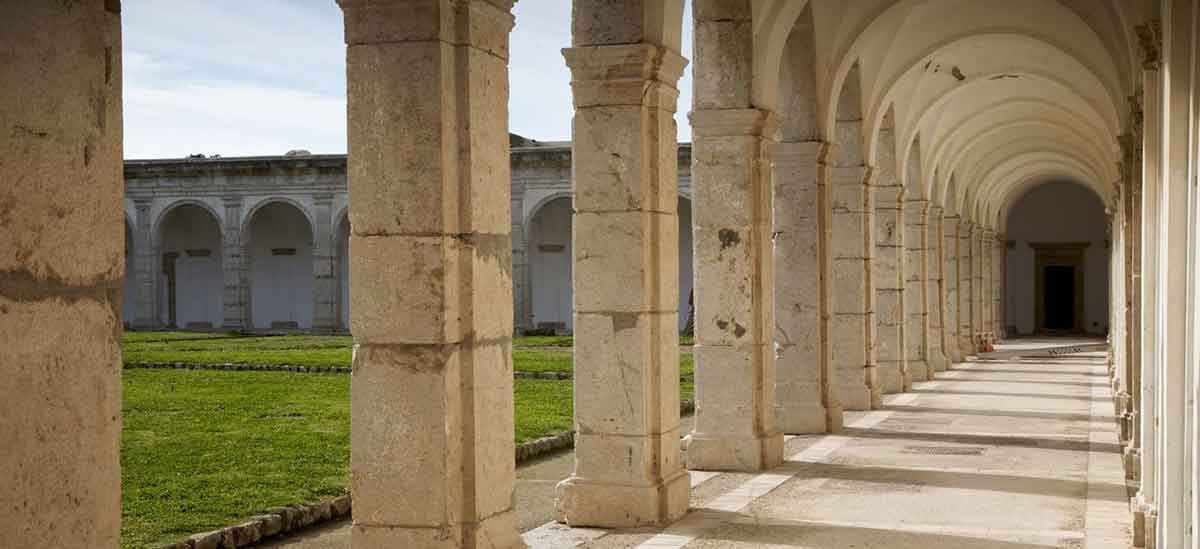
(916, 275)
(1134, 319)
(1145, 513)
(966, 289)
(1175, 279)
(734, 265)
(144, 264)
(999, 274)
(935, 284)
(432, 453)
(735, 356)
(61, 274)
(986, 239)
(978, 283)
(887, 276)
(325, 264)
(628, 464)
(235, 299)
(852, 326)
(804, 383)
(950, 282)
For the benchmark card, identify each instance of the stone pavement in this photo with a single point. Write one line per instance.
(993, 454)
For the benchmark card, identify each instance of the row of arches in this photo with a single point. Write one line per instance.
(189, 274)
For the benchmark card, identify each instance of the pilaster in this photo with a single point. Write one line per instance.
(950, 288)
(144, 265)
(235, 299)
(325, 262)
(888, 278)
(916, 283)
(852, 326)
(966, 289)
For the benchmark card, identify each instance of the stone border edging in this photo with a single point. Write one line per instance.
(295, 517)
(279, 521)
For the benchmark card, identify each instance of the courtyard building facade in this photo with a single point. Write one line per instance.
(879, 191)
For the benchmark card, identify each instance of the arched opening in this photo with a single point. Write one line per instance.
(129, 287)
(550, 265)
(190, 276)
(280, 249)
(343, 272)
(1058, 253)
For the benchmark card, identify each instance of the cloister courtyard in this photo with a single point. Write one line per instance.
(804, 273)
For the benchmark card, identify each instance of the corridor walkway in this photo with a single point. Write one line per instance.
(1004, 454)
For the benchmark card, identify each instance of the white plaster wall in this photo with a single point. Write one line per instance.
(281, 286)
(550, 272)
(198, 280)
(1057, 212)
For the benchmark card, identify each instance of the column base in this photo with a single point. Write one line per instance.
(891, 377)
(937, 362)
(496, 532)
(1145, 519)
(579, 502)
(749, 455)
(1133, 463)
(919, 370)
(802, 419)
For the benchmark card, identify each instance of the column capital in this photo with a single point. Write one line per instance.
(142, 204)
(323, 199)
(806, 153)
(624, 74)
(732, 122)
(231, 201)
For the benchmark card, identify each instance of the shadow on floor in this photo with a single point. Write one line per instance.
(986, 440)
(1021, 395)
(789, 533)
(995, 413)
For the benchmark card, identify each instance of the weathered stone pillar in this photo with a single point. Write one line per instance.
(734, 266)
(144, 265)
(978, 283)
(735, 356)
(1176, 278)
(235, 299)
(1134, 288)
(916, 275)
(887, 271)
(61, 270)
(431, 461)
(852, 326)
(1145, 513)
(999, 274)
(628, 464)
(325, 262)
(987, 283)
(804, 385)
(934, 293)
(966, 289)
(950, 287)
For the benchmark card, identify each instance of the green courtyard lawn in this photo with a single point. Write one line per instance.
(205, 449)
(530, 354)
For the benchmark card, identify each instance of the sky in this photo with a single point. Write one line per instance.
(263, 77)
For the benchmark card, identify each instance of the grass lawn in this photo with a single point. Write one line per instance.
(205, 449)
(313, 351)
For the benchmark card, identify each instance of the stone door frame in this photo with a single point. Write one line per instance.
(1058, 254)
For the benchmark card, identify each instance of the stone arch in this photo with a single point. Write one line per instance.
(190, 278)
(156, 230)
(278, 243)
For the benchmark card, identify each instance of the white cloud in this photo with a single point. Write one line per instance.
(256, 78)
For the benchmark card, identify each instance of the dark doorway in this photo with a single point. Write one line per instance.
(1059, 297)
